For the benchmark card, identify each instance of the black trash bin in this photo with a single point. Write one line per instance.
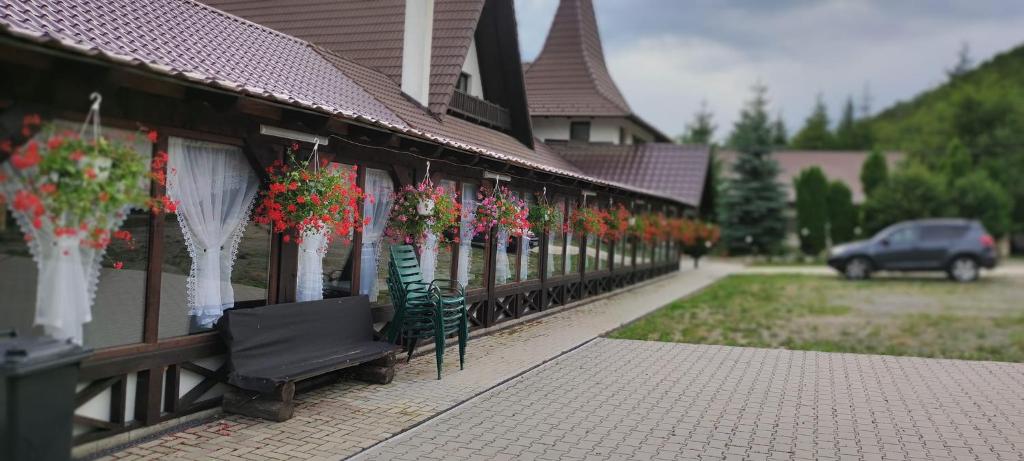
(37, 395)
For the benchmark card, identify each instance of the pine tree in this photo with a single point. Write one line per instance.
(847, 136)
(874, 172)
(815, 134)
(752, 203)
(780, 135)
(963, 62)
(842, 214)
(811, 187)
(701, 130)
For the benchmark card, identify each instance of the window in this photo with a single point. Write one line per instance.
(530, 251)
(471, 249)
(119, 305)
(622, 135)
(214, 257)
(638, 140)
(463, 83)
(943, 232)
(338, 261)
(572, 243)
(556, 244)
(579, 131)
(373, 261)
(903, 235)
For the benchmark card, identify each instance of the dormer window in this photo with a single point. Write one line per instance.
(579, 131)
(463, 83)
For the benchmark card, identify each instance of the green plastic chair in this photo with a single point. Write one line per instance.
(425, 310)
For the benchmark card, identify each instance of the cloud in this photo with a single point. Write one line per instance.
(667, 56)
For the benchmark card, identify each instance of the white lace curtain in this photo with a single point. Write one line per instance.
(310, 277)
(381, 188)
(502, 269)
(466, 231)
(428, 257)
(215, 188)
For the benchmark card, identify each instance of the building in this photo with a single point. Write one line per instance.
(384, 85)
(841, 166)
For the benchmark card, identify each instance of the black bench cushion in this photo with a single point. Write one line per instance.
(271, 345)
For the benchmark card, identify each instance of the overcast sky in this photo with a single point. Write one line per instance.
(668, 55)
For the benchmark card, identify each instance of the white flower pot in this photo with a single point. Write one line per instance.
(632, 221)
(425, 207)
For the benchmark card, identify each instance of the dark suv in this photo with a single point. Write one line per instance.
(958, 246)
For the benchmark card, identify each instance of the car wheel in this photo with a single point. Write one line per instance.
(963, 269)
(857, 268)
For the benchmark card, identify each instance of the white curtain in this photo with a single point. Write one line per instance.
(428, 256)
(380, 187)
(502, 270)
(466, 230)
(310, 277)
(215, 188)
(570, 258)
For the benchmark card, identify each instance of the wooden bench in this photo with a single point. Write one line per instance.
(270, 348)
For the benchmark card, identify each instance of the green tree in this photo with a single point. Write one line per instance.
(957, 161)
(752, 203)
(874, 172)
(701, 130)
(976, 196)
(847, 132)
(811, 187)
(815, 134)
(780, 135)
(913, 192)
(842, 214)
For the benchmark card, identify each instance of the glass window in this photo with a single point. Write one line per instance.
(590, 262)
(572, 244)
(462, 84)
(373, 261)
(579, 131)
(621, 249)
(443, 268)
(119, 305)
(904, 235)
(338, 261)
(556, 244)
(472, 247)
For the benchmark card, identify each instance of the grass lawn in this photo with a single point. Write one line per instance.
(916, 317)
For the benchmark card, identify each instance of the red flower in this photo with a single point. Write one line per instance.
(287, 238)
(90, 173)
(277, 188)
(153, 136)
(76, 155)
(54, 142)
(119, 265)
(292, 208)
(48, 188)
(37, 223)
(27, 159)
(104, 197)
(301, 199)
(294, 185)
(123, 235)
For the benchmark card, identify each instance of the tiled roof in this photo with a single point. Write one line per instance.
(370, 33)
(569, 76)
(838, 165)
(676, 171)
(366, 31)
(195, 42)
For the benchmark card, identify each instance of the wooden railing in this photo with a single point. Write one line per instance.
(479, 110)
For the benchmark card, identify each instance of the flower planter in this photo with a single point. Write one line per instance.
(425, 207)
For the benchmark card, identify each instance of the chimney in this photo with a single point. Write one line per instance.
(416, 48)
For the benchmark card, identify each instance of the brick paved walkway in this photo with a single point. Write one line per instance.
(617, 399)
(340, 420)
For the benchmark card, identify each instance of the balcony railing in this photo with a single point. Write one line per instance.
(476, 109)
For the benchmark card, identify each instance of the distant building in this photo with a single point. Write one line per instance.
(843, 166)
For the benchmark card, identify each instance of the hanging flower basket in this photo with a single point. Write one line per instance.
(617, 221)
(305, 197)
(421, 211)
(590, 221)
(696, 237)
(70, 194)
(504, 212)
(650, 227)
(544, 216)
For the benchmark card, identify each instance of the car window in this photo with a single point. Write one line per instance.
(904, 235)
(943, 232)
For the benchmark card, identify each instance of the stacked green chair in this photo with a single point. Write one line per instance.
(425, 310)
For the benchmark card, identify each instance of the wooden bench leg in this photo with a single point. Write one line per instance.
(380, 371)
(277, 406)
